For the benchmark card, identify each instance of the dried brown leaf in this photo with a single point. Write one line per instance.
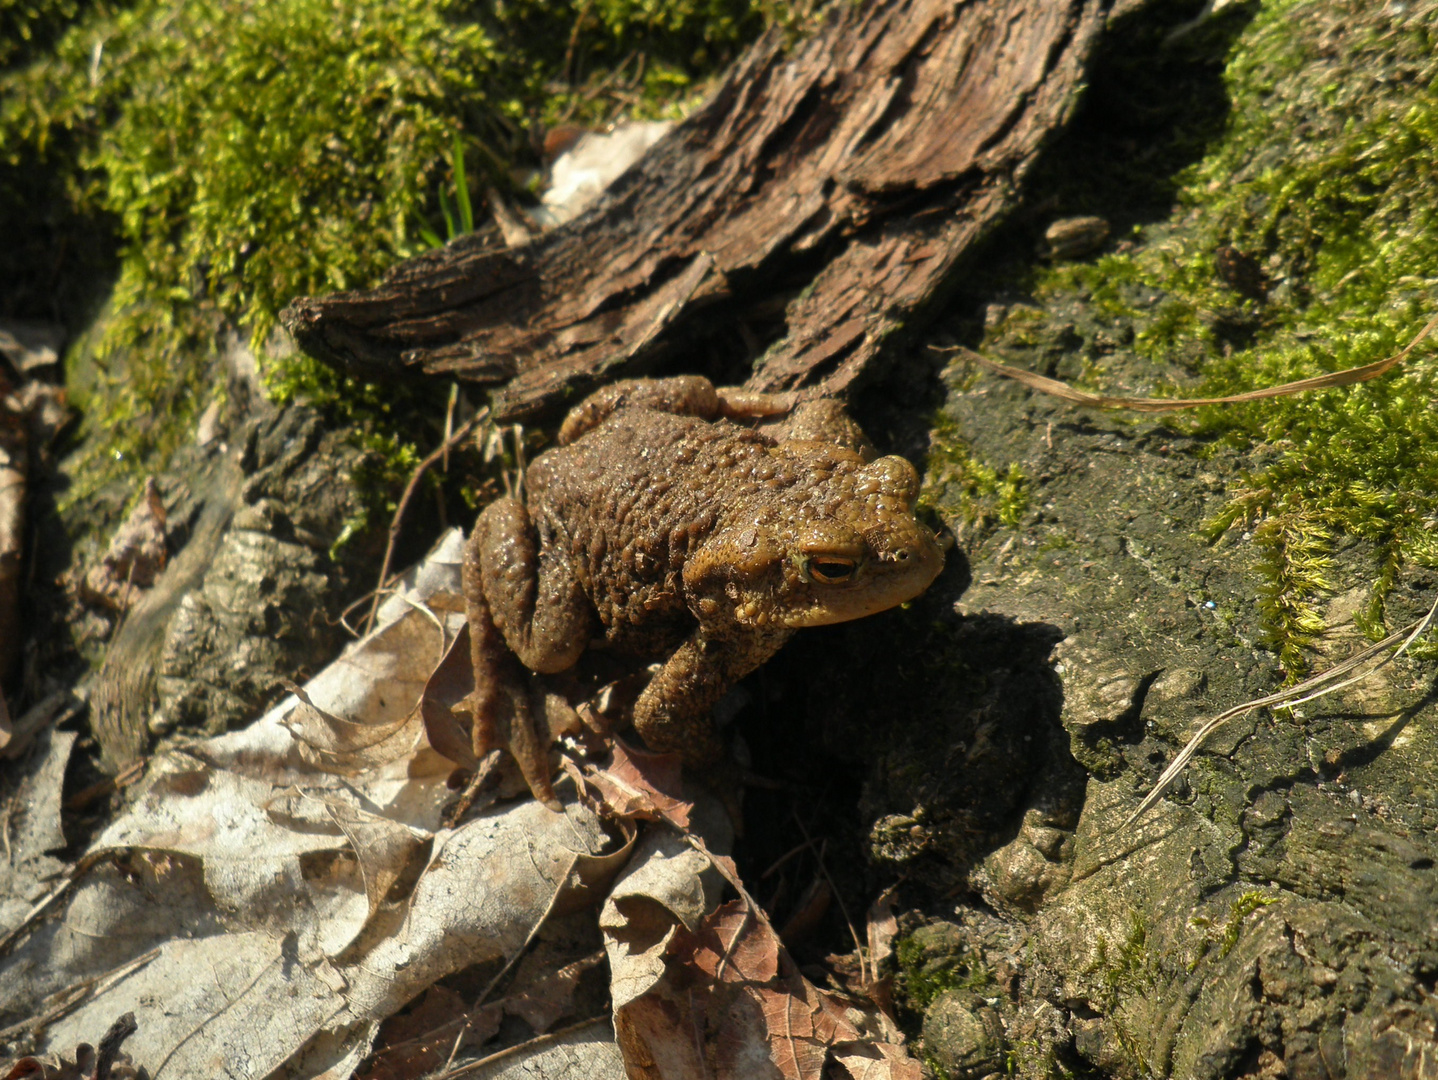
(385, 849)
(135, 558)
(547, 1000)
(733, 946)
(877, 1061)
(732, 1004)
(419, 1042)
(638, 784)
(442, 704)
(338, 745)
(883, 928)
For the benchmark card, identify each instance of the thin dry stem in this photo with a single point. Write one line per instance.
(396, 524)
(1325, 682)
(1064, 391)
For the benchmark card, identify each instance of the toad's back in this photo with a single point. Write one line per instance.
(633, 498)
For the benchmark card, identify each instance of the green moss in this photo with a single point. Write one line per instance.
(1225, 937)
(221, 157)
(1126, 970)
(926, 971)
(1241, 909)
(1323, 176)
(958, 486)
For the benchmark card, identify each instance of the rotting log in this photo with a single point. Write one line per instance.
(863, 163)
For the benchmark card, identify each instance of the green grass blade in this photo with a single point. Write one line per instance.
(447, 209)
(461, 188)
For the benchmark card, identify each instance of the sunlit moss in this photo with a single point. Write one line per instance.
(1324, 177)
(958, 486)
(221, 157)
(927, 970)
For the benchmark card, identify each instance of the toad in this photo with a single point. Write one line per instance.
(662, 529)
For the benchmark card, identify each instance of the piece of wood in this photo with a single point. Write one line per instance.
(865, 161)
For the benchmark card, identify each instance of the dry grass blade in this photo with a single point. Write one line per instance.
(1055, 388)
(1326, 682)
(441, 453)
(508, 966)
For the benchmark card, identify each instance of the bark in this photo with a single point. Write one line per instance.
(857, 169)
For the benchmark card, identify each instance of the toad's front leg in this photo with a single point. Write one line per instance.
(524, 606)
(673, 712)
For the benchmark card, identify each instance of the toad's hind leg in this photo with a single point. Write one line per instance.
(682, 395)
(521, 607)
(534, 596)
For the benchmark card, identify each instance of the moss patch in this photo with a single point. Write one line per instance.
(219, 157)
(958, 486)
(1304, 240)
(938, 958)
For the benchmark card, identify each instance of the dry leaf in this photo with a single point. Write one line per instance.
(443, 703)
(300, 861)
(30, 346)
(668, 885)
(32, 825)
(877, 1061)
(420, 1041)
(585, 1051)
(549, 999)
(757, 1016)
(135, 557)
(883, 928)
(699, 995)
(639, 784)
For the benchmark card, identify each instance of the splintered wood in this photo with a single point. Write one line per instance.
(819, 200)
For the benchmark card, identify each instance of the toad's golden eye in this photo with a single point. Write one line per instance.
(829, 569)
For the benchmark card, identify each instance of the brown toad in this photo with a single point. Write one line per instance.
(665, 532)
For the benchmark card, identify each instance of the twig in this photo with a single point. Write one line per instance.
(483, 773)
(449, 423)
(566, 68)
(533, 932)
(77, 994)
(843, 909)
(1323, 683)
(119, 1031)
(612, 77)
(528, 1044)
(397, 522)
(1064, 391)
(126, 776)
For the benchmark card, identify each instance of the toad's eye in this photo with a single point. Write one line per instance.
(829, 569)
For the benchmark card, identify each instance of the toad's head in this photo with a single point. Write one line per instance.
(838, 542)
